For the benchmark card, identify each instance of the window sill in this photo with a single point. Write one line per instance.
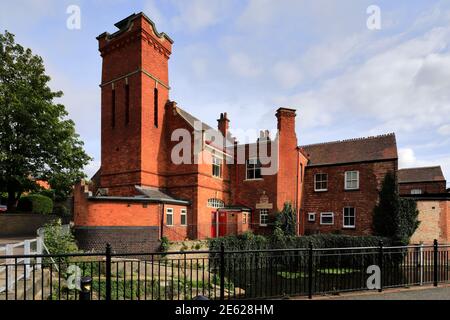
(324, 190)
(327, 224)
(249, 180)
(263, 225)
(217, 178)
(345, 189)
(349, 228)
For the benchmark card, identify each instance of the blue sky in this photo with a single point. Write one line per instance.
(250, 57)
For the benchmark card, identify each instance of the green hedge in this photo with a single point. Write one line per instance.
(250, 241)
(35, 203)
(358, 259)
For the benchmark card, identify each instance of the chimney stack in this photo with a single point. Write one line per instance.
(223, 124)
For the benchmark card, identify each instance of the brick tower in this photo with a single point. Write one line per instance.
(134, 91)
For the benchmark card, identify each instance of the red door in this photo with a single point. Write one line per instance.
(218, 224)
(222, 224)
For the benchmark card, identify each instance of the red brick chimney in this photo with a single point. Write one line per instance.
(223, 124)
(287, 157)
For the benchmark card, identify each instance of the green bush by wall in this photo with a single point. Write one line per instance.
(35, 203)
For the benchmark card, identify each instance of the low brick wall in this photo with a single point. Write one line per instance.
(22, 224)
(122, 239)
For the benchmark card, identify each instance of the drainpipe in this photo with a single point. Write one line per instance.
(162, 222)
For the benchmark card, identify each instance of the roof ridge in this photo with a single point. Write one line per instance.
(350, 140)
(415, 168)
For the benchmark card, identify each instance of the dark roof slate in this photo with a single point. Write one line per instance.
(383, 147)
(424, 174)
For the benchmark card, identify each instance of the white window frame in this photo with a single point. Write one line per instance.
(354, 218)
(254, 169)
(416, 191)
(167, 216)
(263, 213)
(322, 214)
(315, 182)
(348, 181)
(215, 203)
(311, 217)
(217, 162)
(244, 218)
(183, 213)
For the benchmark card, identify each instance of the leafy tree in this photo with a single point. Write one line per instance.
(386, 211)
(408, 221)
(286, 222)
(394, 217)
(37, 141)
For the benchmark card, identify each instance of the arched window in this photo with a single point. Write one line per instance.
(215, 203)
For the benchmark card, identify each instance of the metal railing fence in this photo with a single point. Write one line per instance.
(250, 274)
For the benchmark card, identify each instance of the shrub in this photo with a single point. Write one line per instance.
(48, 193)
(165, 244)
(286, 221)
(285, 261)
(408, 220)
(58, 240)
(35, 203)
(61, 210)
(395, 217)
(250, 241)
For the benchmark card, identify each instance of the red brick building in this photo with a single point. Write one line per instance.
(427, 180)
(342, 181)
(164, 173)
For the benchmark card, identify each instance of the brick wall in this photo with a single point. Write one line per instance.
(426, 187)
(434, 217)
(371, 175)
(122, 239)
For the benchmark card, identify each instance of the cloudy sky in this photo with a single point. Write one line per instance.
(250, 57)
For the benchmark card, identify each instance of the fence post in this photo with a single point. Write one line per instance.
(39, 246)
(421, 263)
(9, 263)
(108, 273)
(435, 262)
(222, 271)
(310, 270)
(27, 260)
(380, 264)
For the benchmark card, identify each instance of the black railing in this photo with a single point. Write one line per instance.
(221, 274)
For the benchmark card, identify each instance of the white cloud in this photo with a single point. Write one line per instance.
(401, 89)
(194, 15)
(243, 66)
(151, 9)
(406, 158)
(444, 130)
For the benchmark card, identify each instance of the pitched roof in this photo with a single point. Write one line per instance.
(191, 120)
(156, 194)
(425, 174)
(383, 147)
